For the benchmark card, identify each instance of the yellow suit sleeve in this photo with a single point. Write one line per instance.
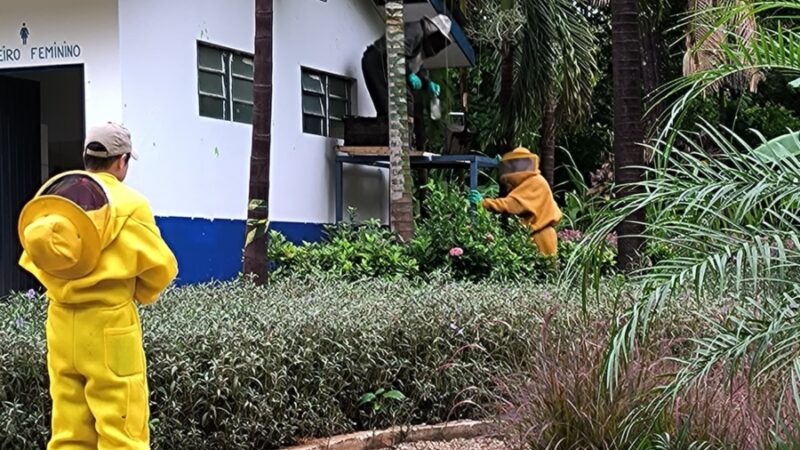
(156, 264)
(506, 205)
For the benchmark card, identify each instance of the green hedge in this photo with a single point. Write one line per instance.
(235, 366)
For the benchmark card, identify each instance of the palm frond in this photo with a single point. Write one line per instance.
(726, 46)
(556, 55)
(760, 339)
(709, 26)
(729, 218)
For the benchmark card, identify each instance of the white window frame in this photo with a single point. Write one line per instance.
(348, 99)
(228, 77)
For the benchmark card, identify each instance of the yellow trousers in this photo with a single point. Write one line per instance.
(547, 241)
(97, 378)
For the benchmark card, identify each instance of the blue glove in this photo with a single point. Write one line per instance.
(475, 197)
(434, 88)
(416, 83)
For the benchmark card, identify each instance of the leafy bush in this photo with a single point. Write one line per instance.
(473, 245)
(234, 366)
(452, 239)
(351, 252)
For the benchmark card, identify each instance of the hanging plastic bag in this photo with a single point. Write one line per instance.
(436, 108)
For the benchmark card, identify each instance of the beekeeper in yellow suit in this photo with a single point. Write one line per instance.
(94, 245)
(529, 198)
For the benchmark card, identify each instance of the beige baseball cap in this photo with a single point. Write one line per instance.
(114, 137)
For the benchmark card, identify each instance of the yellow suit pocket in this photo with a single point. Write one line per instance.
(136, 419)
(123, 348)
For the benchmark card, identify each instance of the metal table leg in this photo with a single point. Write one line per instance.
(473, 181)
(338, 179)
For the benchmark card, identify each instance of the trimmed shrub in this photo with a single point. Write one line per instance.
(236, 366)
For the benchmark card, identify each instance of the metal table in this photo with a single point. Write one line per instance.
(472, 162)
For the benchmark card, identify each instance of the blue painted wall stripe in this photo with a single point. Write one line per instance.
(211, 250)
(298, 233)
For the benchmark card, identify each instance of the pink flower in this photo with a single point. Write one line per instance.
(456, 252)
(611, 239)
(570, 235)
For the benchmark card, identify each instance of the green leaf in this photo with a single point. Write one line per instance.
(259, 228)
(394, 395)
(780, 148)
(256, 204)
(367, 398)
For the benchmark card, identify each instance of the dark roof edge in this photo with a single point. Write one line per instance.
(457, 31)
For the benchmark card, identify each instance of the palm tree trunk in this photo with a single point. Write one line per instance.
(401, 184)
(652, 38)
(255, 257)
(547, 145)
(628, 127)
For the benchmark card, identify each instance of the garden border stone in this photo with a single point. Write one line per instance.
(373, 440)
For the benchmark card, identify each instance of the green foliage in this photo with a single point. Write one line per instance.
(236, 366)
(558, 399)
(582, 204)
(720, 226)
(743, 114)
(450, 238)
(351, 252)
(770, 48)
(483, 116)
(488, 248)
(377, 400)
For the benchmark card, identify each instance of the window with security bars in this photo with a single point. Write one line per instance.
(326, 102)
(225, 83)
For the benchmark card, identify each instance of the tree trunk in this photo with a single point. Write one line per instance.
(547, 142)
(401, 185)
(652, 55)
(628, 127)
(255, 257)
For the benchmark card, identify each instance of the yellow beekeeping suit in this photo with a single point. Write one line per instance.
(529, 197)
(95, 264)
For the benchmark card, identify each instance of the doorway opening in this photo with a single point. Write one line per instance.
(42, 126)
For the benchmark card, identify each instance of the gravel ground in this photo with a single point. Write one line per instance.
(457, 444)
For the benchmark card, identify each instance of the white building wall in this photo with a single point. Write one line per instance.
(90, 24)
(140, 66)
(193, 166)
(190, 166)
(331, 37)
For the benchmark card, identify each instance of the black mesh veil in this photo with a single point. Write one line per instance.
(80, 189)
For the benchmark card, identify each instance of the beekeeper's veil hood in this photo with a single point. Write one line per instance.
(66, 226)
(517, 166)
(437, 34)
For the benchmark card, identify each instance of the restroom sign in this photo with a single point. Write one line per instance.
(31, 51)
